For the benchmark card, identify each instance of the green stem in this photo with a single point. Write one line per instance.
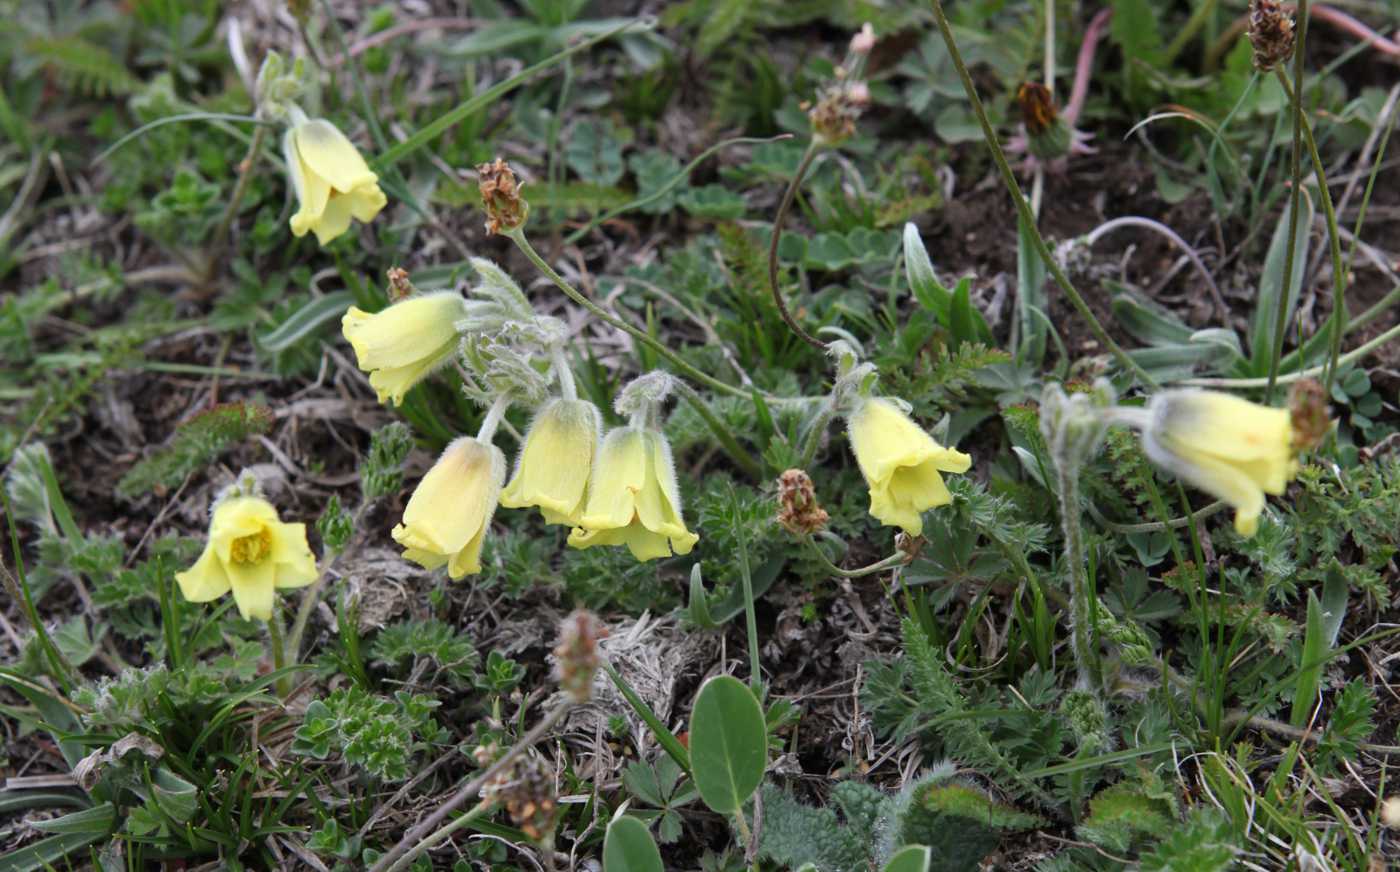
(279, 652)
(731, 446)
(1023, 208)
(312, 596)
(879, 566)
(1311, 372)
(1339, 270)
(1081, 612)
(518, 237)
(1296, 172)
(750, 616)
(245, 173)
(777, 234)
(814, 435)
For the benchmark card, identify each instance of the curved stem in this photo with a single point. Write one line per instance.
(1023, 208)
(441, 833)
(1156, 526)
(731, 446)
(492, 419)
(879, 566)
(518, 237)
(788, 196)
(1221, 309)
(814, 435)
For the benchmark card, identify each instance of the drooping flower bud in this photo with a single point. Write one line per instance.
(401, 345)
(901, 464)
(1047, 134)
(331, 179)
(1226, 446)
(446, 519)
(555, 461)
(633, 498)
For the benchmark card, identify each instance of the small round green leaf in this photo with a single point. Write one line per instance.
(629, 847)
(914, 858)
(728, 743)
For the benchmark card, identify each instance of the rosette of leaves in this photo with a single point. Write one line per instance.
(375, 733)
(452, 653)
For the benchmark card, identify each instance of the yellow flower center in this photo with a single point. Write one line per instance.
(251, 550)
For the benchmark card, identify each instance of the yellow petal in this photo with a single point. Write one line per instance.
(450, 510)
(617, 480)
(401, 345)
(901, 464)
(292, 558)
(328, 153)
(237, 517)
(554, 464)
(206, 580)
(253, 589)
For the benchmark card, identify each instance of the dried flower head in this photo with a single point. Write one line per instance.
(1307, 404)
(577, 654)
(1047, 135)
(1270, 32)
(400, 286)
(798, 510)
(529, 798)
(500, 195)
(838, 107)
(911, 545)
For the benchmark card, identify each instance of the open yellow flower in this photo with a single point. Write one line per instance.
(553, 467)
(901, 464)
(332, 181)
(633, 499)
(250, 552)
(1230, 448)
(446, 519)
(402, 344)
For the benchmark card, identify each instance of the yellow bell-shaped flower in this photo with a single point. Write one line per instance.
(252, 553)
(553, 467)
(446, 519)
(402, 344)
(901, 464)
(332, 181)
(633, 499)
(1230, 448)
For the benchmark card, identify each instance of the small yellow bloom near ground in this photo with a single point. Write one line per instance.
(901, 464)
(250, 552)
(402, 344)
(1230, 448)
(553, 467)
(446, 519)
(332, 181)
(633, 499)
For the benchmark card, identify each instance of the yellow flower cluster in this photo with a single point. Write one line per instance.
(332, 181)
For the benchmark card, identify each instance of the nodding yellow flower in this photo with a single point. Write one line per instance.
(446, 519)
(901, 464)
(633, 499)
(1230, 448)
(250, 552)
(553, 467)
(332, 181)
(402, 344)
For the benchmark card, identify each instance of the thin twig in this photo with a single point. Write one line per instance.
(788, 196)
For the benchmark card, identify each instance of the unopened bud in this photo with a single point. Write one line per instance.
(1047, 135)
(500, 195)
(577, 654)
(864, 41)
(1270, 32)
(798, 510)
(1307, 406)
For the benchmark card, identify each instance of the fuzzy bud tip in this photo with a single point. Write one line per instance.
(577, 654)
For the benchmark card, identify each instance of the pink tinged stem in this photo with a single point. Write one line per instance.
(1084, 65)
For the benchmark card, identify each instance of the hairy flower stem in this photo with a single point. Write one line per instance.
(1082, 597)
(1338, 321)
(1023, 208)
(279, 653)
(567, 389)
(1312, 372)
(777, 234)
(1296, 173)
(898, 559)
(419, 838)
(245, 173)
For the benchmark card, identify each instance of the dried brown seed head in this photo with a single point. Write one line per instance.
(1270, 32)
(798, 510)
(1307, 402)
(577, 654)
(500, 195)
